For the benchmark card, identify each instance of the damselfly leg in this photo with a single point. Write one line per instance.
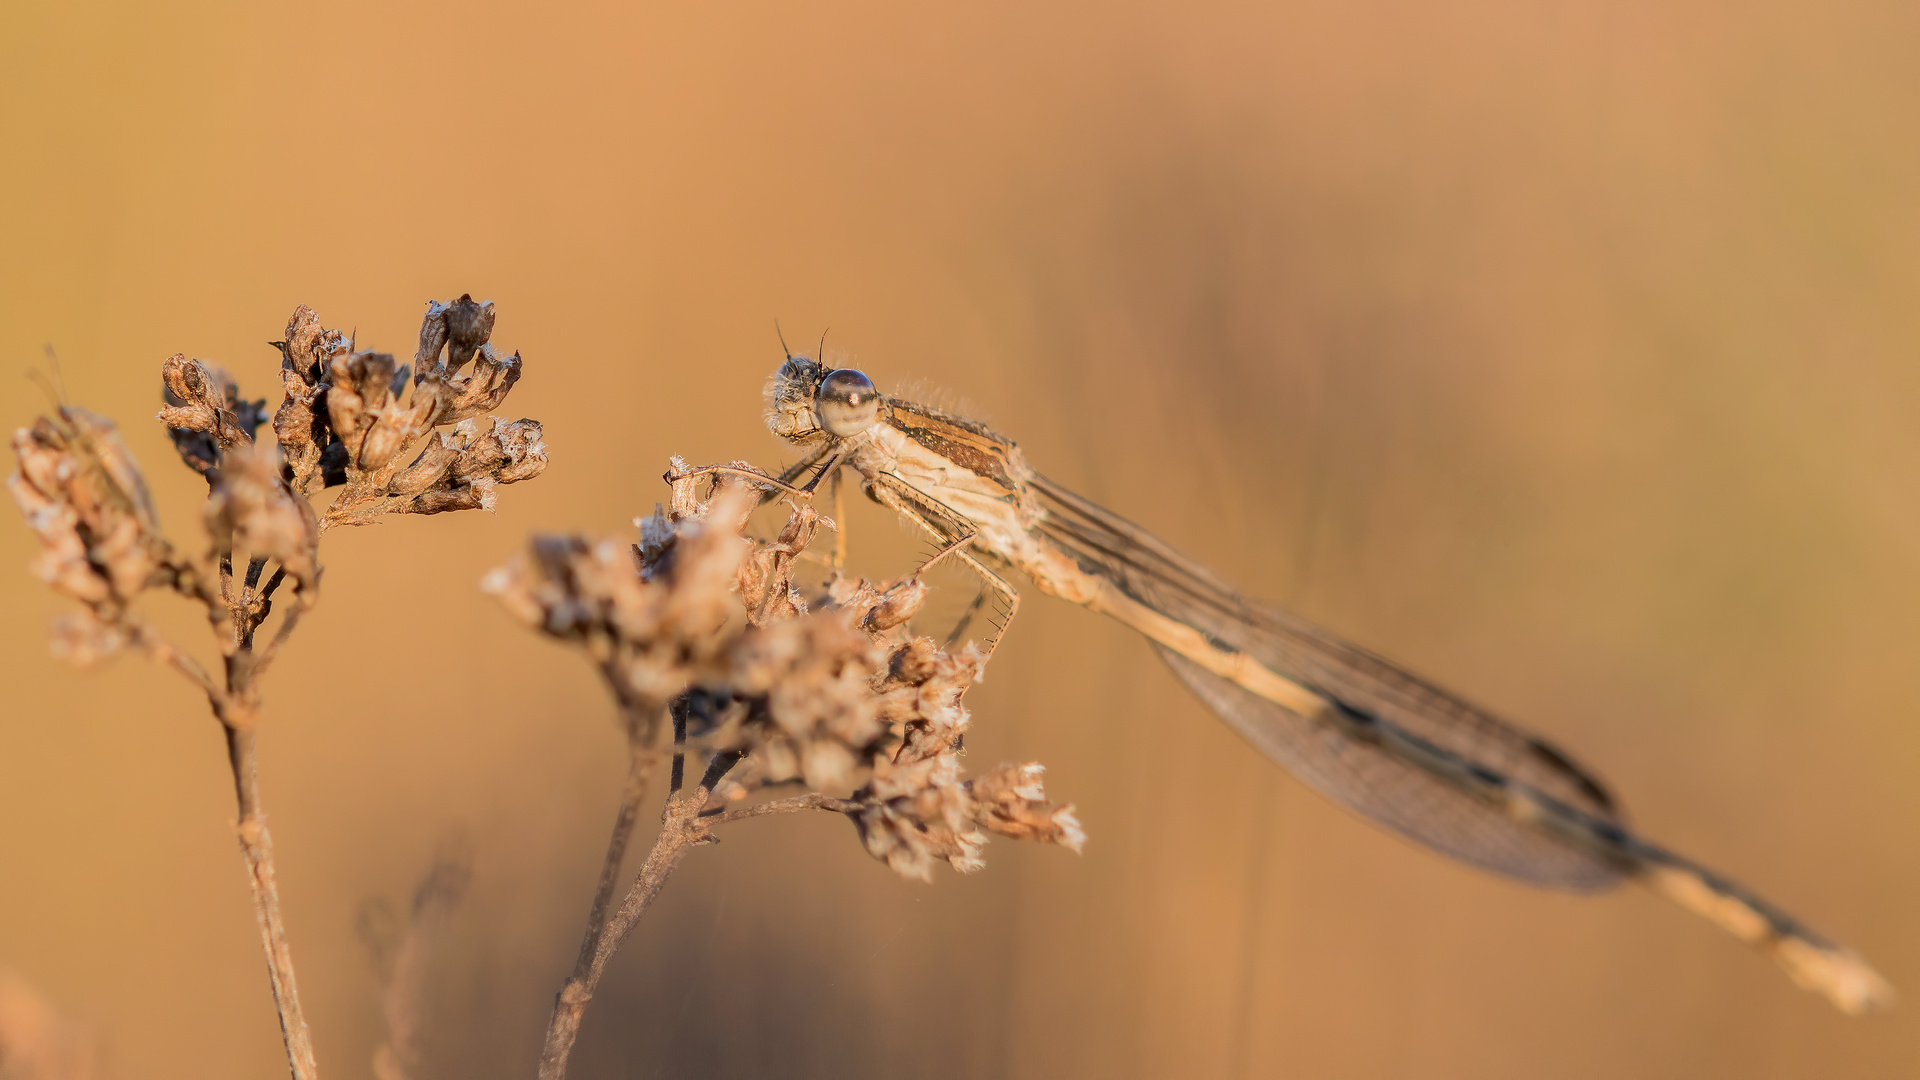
(954, 538)
(779, 486)
(832, 456)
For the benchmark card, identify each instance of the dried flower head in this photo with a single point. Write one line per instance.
(831, 693)
(654, 626)
(403, 438)
(252, 509)
(84, 496)
(205, 414)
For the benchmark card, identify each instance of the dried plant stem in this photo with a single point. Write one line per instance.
(812, 800)
(685, 823)
(237, 711)
(641, 764)
(680, 829)
(256, 846)
(236, 708)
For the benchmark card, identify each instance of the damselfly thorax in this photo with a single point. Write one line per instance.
(1366, 733)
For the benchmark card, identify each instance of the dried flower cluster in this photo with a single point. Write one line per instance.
(703, 624)
(100, 542)
(833, 693)
(406, 439)
(354, 418)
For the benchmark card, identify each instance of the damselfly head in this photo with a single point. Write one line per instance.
(806, 400)
(790, 398)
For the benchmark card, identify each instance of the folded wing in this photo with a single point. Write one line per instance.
(1397, 749)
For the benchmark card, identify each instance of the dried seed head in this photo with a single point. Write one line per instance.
(815, 676)
(204, 413)
(897, 605)
(828, 697)
(363, 420)
(303, 424)
(361, 384)
(251, 510)
(658, 634)
(82, 639)
(468, 326)
(85, 497)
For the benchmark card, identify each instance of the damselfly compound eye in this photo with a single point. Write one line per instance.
(846, 403)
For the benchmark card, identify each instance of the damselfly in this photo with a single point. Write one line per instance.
(1364, 732)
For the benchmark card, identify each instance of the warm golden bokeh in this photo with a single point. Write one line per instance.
(1566, 351)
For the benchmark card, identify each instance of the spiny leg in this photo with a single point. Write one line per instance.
(761, 478)
(792, 473)
(827, 459)
(833, 454)
(956, 548)
(966, 617)
(994, 583)
(839, 523)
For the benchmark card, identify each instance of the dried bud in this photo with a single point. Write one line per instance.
(399, 424)
(362, 382)
(310, 348)
(915, 662)
(82, 639)
(251, 509)
(84, 495)
(204, 414)
(194, 397)
(479, 462)
(657, 533)
(897, 605)
(426, 470)
(483, 389)
(816, 676)
(766, 577)
(433, 338)
(1012, 801)
(468, 326)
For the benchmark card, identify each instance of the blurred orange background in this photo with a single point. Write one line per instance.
(1565, 351)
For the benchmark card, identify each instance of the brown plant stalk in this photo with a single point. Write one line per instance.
(700, 624)
(349, 419)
